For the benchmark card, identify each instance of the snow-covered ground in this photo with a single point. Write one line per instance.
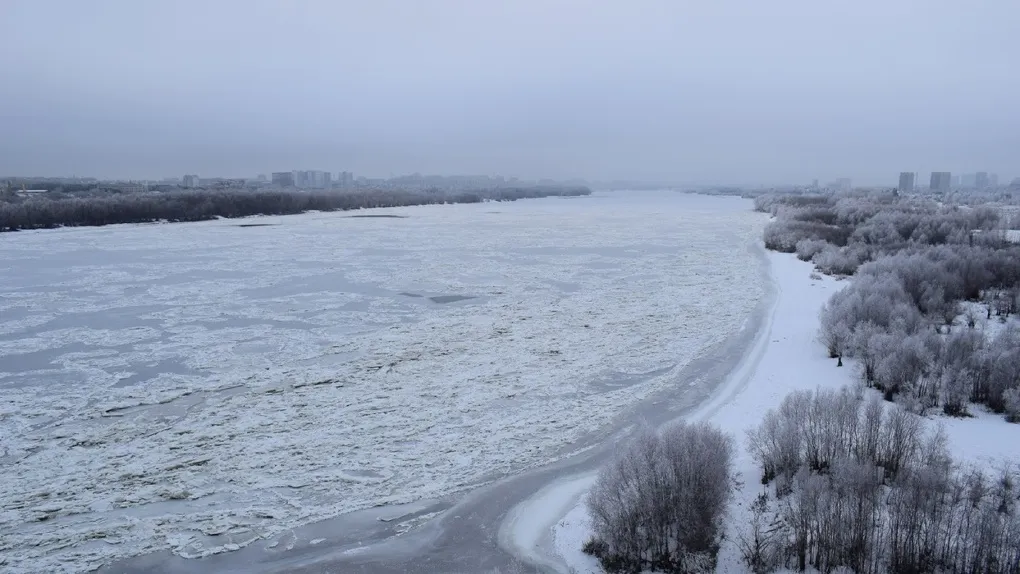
(200, 386)
(792, 360)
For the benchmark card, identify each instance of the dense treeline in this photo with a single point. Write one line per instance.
(920, 269)
(860, 486)
(840, 233)
(659, 505)
(45, 212)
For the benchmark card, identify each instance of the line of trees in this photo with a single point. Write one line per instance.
(48, 212)
(659, 505)
(860, 486)
(920, 269)
(841, 232)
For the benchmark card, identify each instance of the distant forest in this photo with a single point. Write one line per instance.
(44, 212)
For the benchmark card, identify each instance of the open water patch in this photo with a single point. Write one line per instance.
(146, 372)
(444, 299)
(379, 216)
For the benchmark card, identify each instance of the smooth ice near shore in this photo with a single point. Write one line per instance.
(792, 360)
(200, 386)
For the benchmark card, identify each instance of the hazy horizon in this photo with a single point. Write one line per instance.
(734, 92)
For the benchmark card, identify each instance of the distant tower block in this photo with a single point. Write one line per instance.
(906, 182)
(940, 181)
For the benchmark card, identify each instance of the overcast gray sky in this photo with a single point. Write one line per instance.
(704, 91)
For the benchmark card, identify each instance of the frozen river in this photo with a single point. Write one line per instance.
(197, 387)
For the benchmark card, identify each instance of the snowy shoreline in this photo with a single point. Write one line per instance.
(752, 387)
(532, 529)
(792, 360)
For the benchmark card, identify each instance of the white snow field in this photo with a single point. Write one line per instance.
(195, 387)
(792, 360)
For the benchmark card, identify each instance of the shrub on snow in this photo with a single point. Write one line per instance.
(659, 504)
(1011, 398)
(859, 486)
(808, 248)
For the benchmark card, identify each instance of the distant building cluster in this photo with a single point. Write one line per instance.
(944, 181)
(300, 179)
(312, 179)
(940, 182)
(317, 179)
(840, 184)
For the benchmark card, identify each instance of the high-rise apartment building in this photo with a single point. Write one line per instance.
(345, 179)
(906, 182)
(981, 179)
(313, 179)
(322, 180)
(189, 181)
(940, 181)
(283, 178)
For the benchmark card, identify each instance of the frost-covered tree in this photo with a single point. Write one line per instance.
(835, 333)
(887, 498)
(762, 548)
(1011, 402)
(808, 248)
(659, 504)
(913, 262)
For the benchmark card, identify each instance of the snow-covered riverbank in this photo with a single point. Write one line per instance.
(557, 523)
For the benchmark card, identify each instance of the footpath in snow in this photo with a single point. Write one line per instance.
(550, 528)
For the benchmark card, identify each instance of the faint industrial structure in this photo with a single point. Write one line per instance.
(190, 181)
(906, 182)
(940, 181)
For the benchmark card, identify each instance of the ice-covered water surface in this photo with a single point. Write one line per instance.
(199, 386)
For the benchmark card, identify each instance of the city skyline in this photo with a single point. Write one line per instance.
(967, 179)
(319, 179)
